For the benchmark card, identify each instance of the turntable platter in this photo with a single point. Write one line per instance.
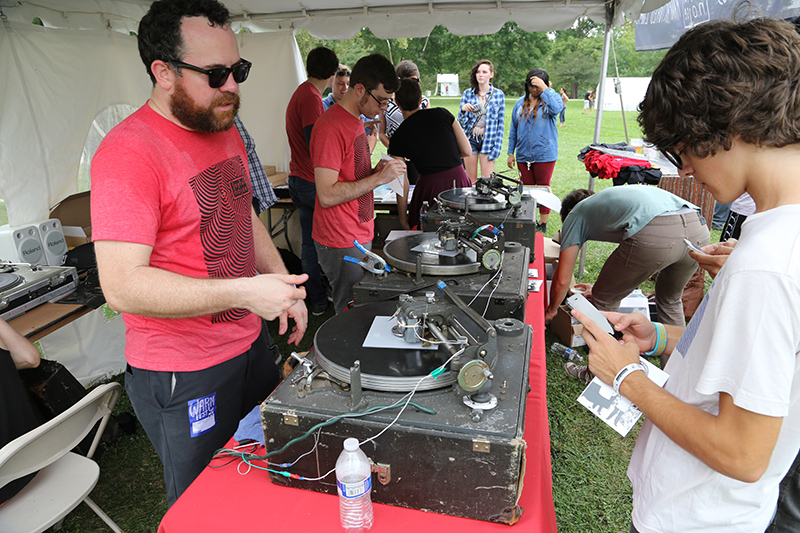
(458, 198)
(8, 280)
(338, 343)
(402, 254)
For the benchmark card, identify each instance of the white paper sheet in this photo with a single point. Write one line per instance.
(397, 184)
(615, 409)
(380, 336)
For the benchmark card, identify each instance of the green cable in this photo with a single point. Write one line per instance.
(336, 419)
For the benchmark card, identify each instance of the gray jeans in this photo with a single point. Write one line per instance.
(163, 402)
(341, 274)
(656, 248)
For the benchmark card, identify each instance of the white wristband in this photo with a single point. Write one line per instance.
(625, 372)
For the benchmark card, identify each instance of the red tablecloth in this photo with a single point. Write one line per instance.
(223, 500)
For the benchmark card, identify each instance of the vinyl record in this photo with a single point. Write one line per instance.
(338, 343)
(8, 281)
(458, 199)
(403, 253)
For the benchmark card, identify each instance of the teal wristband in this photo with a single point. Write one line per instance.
(661, 340)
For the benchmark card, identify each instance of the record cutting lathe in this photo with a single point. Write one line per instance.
(459, 246)
(497, 200)
(463, 379)
(438, 341)
(481, 265)
(489, 194)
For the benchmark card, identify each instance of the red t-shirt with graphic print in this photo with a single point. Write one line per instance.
(187, 195)
(338, 142)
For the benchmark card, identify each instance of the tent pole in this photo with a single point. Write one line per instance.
(598, 119)
(601, 89)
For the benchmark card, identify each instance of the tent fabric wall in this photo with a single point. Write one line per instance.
(54, 83)
(92, 348)
(48, 100)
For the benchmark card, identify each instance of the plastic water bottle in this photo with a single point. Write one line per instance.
(354, 481)
(423, 210)
(567, 353)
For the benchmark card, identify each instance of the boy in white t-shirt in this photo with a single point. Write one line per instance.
(724, 430)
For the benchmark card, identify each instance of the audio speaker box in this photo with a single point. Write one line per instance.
(21, 245)
(53, 241)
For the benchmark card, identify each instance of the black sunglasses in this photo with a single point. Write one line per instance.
(381, 103)
(343, 73)
(673, 157)
(217, 76)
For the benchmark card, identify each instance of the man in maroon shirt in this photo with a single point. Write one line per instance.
(304, 108)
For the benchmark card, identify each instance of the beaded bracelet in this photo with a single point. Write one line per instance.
(661, 340)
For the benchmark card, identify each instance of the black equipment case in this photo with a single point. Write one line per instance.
(448, 462)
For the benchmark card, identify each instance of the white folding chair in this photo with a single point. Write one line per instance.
(65, 479)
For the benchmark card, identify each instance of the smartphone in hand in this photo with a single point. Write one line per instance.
(693, 247)
(579, 302)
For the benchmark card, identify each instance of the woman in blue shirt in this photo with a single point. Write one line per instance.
(534, 134)
(482, 117)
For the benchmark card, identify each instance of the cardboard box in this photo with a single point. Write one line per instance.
(551, 250)
(270, 169)
(74, 213)
(277, 178)
(567, 328)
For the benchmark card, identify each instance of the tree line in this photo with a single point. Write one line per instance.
(571, 57)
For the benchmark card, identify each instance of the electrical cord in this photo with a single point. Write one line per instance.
(247, 458)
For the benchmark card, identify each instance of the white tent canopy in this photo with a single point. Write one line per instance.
(58, 78)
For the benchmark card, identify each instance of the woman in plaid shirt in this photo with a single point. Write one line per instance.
(482, 116)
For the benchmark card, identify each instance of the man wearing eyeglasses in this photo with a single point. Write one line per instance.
(345, 177)
(302, 112)
(180, 250)
(338, 89)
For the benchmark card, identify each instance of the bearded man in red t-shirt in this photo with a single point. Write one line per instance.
(180, 250)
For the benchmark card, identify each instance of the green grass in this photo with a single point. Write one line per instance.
(590, 490)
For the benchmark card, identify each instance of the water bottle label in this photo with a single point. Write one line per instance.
(354, 490)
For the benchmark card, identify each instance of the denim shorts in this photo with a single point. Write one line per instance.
(476, 144)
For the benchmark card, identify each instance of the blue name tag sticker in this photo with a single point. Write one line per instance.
(202, 414)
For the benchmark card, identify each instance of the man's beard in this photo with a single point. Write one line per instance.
(199, 118)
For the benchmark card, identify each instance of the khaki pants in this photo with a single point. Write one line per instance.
(656, 248)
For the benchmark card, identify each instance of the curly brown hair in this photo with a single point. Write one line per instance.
(723, 80)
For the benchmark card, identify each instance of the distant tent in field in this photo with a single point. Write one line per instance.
(447, 85)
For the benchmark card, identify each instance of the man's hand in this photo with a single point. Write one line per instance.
(390, 170)
(637, 326)
(272, 295)
(511, 160)
(607, 355)
(716, 256)
(299, 313)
